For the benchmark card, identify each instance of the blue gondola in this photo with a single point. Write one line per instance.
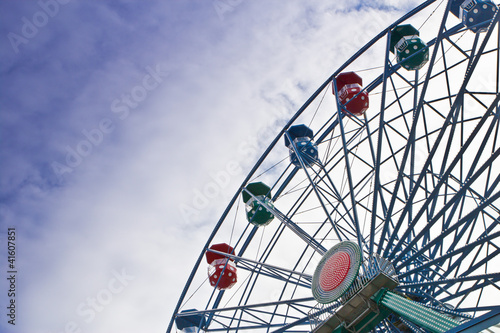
(302, 137)
(191, 323)
(474, 14)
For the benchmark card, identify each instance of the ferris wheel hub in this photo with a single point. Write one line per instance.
(334, 271)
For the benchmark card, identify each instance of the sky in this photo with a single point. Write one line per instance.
(127, 126)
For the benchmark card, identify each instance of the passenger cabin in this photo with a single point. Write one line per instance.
(257, 214)
(411, 52)
(351, 94)
(299, 140)
(192, 323)
(222, 272)
(474, 14)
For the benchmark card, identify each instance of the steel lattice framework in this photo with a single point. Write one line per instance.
(415, 181)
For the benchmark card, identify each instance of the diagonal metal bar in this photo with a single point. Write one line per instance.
(438, 261)
(458, 195)
(377, 186)
(399, 181)
(454, 109)
(313, 185)
(348, 170)
(272, 268)
(493, 277)
(291, 225)
(453, 228)
(446, 174)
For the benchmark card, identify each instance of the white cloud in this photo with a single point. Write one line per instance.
(119, 207)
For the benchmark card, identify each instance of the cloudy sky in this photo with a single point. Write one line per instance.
(127, 125)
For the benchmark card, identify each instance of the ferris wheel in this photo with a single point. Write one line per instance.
(377, 207)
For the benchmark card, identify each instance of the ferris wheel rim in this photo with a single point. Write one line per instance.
(280, 135)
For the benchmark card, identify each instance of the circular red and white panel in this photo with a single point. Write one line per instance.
(336, 272)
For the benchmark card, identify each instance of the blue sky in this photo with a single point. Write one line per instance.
(127, 125)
